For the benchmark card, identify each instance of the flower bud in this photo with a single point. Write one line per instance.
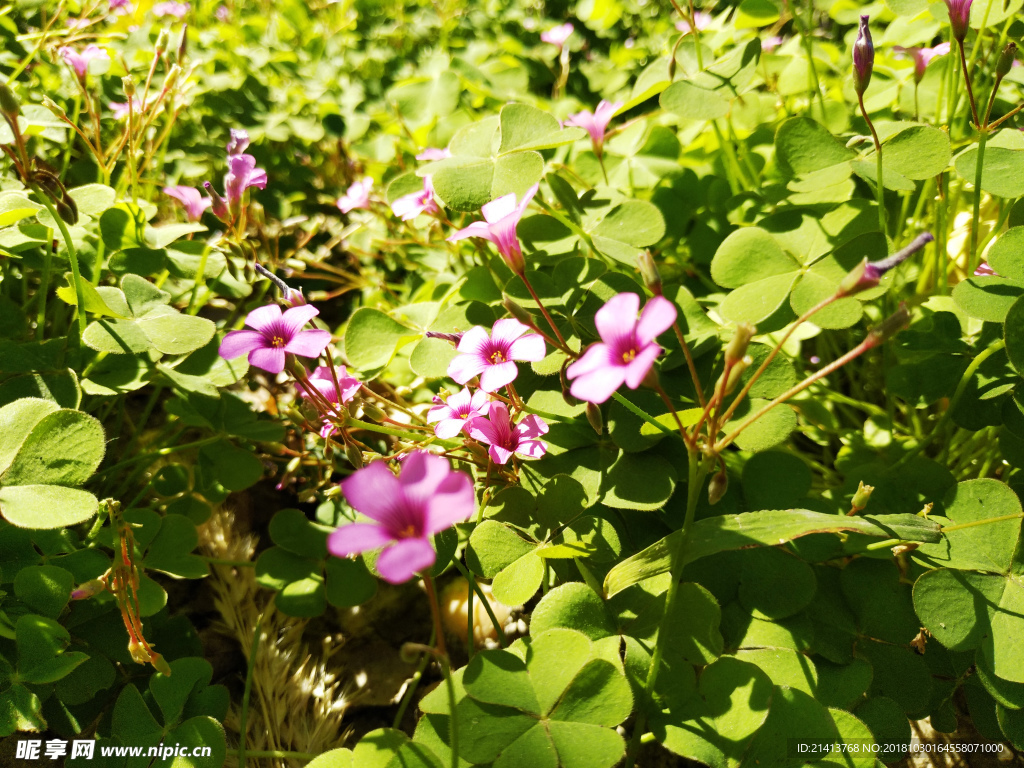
(1005, 62)
(863, 57)
(867, 274)
(220, 205)
(860, 498)
(735, 374)
(354, 455)
(160, 664)
(717, 487)
(9, 106)
(67, 209)
(737, 348)
(371, 411)
(959, 18)
(453, 338)
(517, 311)
(128, 85)
(595, 418)
(889, 327)
(161, 42)
(183, 45)
(172, 77)
(649, 272)
(88, 589)
(856, 140)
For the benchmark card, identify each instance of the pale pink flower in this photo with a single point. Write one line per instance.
(323, 382)
(238, 141)
(119, 109)
(627, 349)
(222, 13)
(190, 198)
(701, 20)
(80, 61)
(171, 8)
(117, 5)
(433, 153)
(492, 356)
(242, 174)
(557, 36)
(357, 195)
(985, 270)
(769, 44)
(923, 57)
(595, 123)
(499, 226)
(412, 205)
(453, 414)
(506, 438)
(275, 336)
(426, 498)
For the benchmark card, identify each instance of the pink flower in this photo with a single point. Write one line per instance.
(454, 413)
(701, 19)
(239, 141)
(119, 109)
(275, 335)
(769, 44)
(171, 8)
(959, 17)
(80, 61)
(323, 382)
(412, 205)
(491, 357)
(923, 57)
(120, 7)
(506, 438)
(222, 13)
(627, 349)
(242, 174)
(357, 196)
(558, 35)
(595, 123)
(984, 270)
(499, 226)
(433, 153)
(426, 498)
(191, 199)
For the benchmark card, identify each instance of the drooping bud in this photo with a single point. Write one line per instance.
(454, 338)
(649, 272)
(737, 348)
(371, 411)
(595, 418)
(354, 455)
(863, 57)
(889, 327)
(128, 86)
(860, 498)
(220, 205)
(868, 274)
(518, 312)
(67, 209)
(959, 18)
(717, 487)
(9, 105)
(1006, 59)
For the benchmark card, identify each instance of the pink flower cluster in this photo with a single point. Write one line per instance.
(242, 174)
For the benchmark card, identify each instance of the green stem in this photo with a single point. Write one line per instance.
(244, 714)
(879, 185)
(411, 690)
(643, 414)
(486, 603)
(414, 436)
(72, 257)
(976, 215)
(44, 286)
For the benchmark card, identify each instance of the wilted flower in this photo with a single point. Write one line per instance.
(595, 123)
(190, 198)
(959, 17)
(701, 20)
(923, 57)
(492, 357)
(239, 141)
(558, 35)
(627, 349)
(412, 205)
(276, 334)
(453, 413)
(863, 57)
(506, 438)
(357, 195)
(433, 153)
(499, 226)
(242, 174)
(869, 273)
(80, 61)
(171, 8)
(426, 498)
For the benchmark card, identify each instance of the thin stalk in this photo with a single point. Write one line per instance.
(879, 185)
(544, 312)
(446, 670)
(411, 690)
(76, 274)
(244, 714)
(44, 286)
(972, 263)
(689, 363)
(967, 82)
(642, 414)
(486, 603)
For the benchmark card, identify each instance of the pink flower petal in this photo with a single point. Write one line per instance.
(499, 454)
(597, 356)
(372, 491)
(462, 368)
(658, 315)
(496, 210)
(530, 348)
(449, 428)
(296, 317)
(497, 376)
(507, 330)
(400, 562)
(617, 318)
(638, 367)
(270, 359)
(308, 343)
(263, 317)
(357, 538)
(531, 426)
(474, 340)
(238, 343)
(453, 502)
(476, 229)
(483, 430)
(597, 386)
(533, 449)
(422, 474)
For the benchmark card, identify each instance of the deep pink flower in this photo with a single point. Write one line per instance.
(357, 195)
(80, 61)
(433, 153)
(242, 174)
(863, 56)
(116, 4)
(558, 35)
(627, 349)
(275, 335)
(412, 205)
(323, 382)
(959, 17)
(923, 57)
(499, 226)
(426, 498)
(239, 141)
(701, 20)
(171, 8)
(491, 357)
(453, 414)
(193, 202)
(985, 270)
(506, 438)
(595, 123)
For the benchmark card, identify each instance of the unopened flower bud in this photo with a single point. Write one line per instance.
(293, 465)
(595, 418)
(860, 498)
(67, 209)
(735, 374)
(160, 664)
(220, 205)
(293, 297)
(889, 327)
(128, 85)
(161, 42)
(354, 455)
(868, 274)
(717, 487)
(9, 105)
(863, 57)
(649, 272)
(517, 311)
(371, 411)
(1005, 62)
(183, 45)
(737, 348)
(88, 589)
(959, 18)
(856, 140)
(454, 338)
(172, 77)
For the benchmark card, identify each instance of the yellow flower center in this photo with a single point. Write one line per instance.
(408, 532)
(276, 341)
(497, 357)
(628, 356)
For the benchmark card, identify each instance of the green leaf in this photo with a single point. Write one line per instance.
(467, 183)
(494, 546)
(172, 691)
(499, 677)
(46, 506)
(1013, 332)
(371, 338)
(291, 529)
(639, 481)
(1002, 172)
(45, 589)
(803, 146)
(173, 333)
(171, 550)
(987, 297)
(335, 758)
(757, 301)
(63, 448)
(747, 255)
(427, 98)
(204, 731)
(121, 227)
(634, 222)
(919, 152)
(519, 581)
(524, 128)
(1004, 255)
(388, 748)
(15, 206)
(775, 584)
(17, 420)
(93, 199)
(691, 102)
(348, 582)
